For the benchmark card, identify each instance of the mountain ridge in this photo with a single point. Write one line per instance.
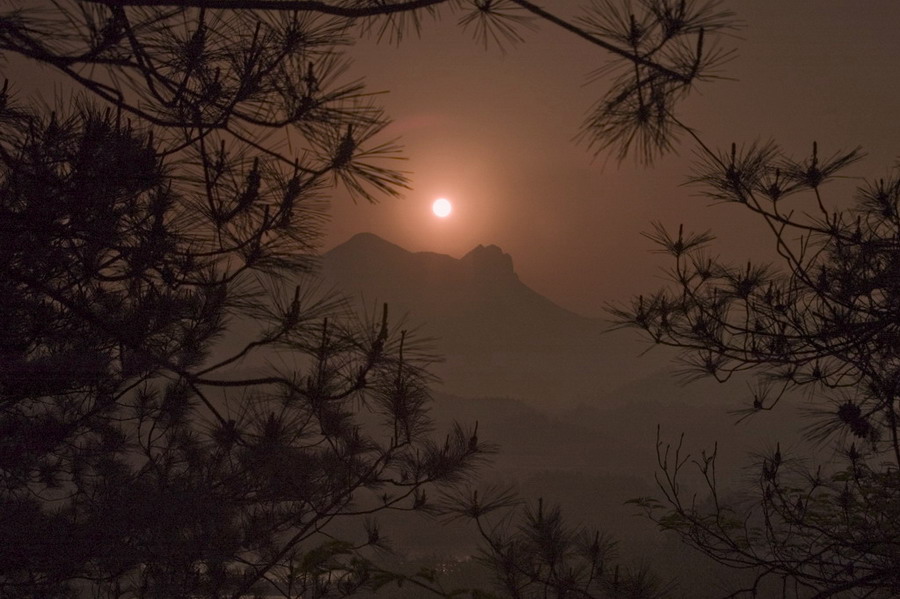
(486, 265)
(498, 336)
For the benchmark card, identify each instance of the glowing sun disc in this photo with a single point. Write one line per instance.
(442, 207)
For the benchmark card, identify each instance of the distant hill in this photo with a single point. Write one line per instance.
(498, 336)
(573, 410)
(593, 458)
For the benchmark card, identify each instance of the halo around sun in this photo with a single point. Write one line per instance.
(442, 207)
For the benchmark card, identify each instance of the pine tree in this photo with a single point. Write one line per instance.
(181, 412)
(820, 322)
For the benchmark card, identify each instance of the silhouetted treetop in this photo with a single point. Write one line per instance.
(240, 68)
(182, 412)
(822, 319)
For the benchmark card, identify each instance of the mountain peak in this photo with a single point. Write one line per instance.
(370, 241)
(368, 250)
(492, 328)
(490, 261)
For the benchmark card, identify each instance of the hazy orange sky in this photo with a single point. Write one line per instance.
(493, 132)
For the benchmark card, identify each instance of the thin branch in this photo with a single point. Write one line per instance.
(280, 5)
(635, 58)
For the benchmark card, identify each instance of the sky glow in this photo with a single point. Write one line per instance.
(572, 221)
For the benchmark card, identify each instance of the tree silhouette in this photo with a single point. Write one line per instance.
(182, 414)
(823, 320)
(532, 552)
(207, 69)
(135, 458)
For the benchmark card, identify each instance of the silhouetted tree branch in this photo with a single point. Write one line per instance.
(121, 466)
(337, 10)
(821, 319)
(532, 552)
(234, 68)
(158, 234)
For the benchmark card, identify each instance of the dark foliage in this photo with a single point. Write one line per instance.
(532, 552)
(181, 413)
(135, 458)
(823, 320)
(229, 68)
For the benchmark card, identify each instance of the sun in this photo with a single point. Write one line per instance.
(442, 207)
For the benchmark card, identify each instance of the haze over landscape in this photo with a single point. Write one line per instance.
(494, 131)
(573, 406)
(187, 402)
(497, 336)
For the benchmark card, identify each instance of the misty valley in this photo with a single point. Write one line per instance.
(573, 405)
(198, 402)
